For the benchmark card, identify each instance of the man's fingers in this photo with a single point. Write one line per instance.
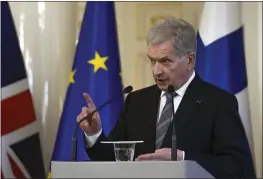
(160, 150)
(159, 154)
(151, 156)
(89, 101)
(145, 157)
(84, 111)
(80, 116)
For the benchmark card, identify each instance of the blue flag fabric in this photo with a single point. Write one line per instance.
(96, 71)
(220, 58)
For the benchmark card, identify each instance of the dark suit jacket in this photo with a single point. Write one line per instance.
(208, 129)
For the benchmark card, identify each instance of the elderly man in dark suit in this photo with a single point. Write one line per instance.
(208, 127)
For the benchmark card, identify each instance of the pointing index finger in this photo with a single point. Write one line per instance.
(89, 101)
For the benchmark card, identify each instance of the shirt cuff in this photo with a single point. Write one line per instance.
(91, 140)
(183, 155)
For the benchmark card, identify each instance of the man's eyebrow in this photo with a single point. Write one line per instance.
(163, 58)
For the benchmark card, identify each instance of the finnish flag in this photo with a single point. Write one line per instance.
(220, 53)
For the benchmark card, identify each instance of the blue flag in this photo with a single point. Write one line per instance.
(96, 71)
(220, 56)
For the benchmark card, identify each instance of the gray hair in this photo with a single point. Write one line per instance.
(181, 33)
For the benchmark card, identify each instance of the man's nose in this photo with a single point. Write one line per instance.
(157, 69)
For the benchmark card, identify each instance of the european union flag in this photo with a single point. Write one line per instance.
(96, 70)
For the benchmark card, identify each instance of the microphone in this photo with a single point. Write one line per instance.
(174, 147)
(128, 89)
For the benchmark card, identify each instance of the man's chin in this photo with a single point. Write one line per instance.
(162, 87)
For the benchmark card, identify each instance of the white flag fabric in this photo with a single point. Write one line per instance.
(221, 56)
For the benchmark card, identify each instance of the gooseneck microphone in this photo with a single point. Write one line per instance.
(174, 147)
(128, 89)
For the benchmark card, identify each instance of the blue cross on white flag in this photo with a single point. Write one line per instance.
(220, 53)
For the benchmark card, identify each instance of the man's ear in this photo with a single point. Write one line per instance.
(191, 60)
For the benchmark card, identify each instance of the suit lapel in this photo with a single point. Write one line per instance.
(189, 104)
(186, 110)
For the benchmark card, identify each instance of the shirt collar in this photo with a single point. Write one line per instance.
(181, 91)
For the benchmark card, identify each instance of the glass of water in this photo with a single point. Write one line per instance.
(124, 151)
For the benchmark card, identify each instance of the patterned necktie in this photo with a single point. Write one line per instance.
(165, 120)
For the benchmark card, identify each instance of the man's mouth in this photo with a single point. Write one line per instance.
(161, 81)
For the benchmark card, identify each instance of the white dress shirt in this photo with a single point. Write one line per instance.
(177, 99)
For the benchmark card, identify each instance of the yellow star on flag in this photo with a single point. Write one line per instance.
(71, 77)
(98, 62)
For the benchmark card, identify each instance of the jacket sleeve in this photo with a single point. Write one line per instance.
(231, 156)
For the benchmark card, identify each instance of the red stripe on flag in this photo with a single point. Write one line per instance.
(16, 170)
(17, 112)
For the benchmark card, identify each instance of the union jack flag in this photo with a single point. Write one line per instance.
(20, 152)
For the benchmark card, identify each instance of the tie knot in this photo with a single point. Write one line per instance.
(168, 95)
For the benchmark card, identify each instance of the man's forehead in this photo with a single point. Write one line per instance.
(162, 48)
(160, 53)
